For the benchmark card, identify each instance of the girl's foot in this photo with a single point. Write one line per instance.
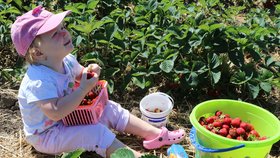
(165, 138)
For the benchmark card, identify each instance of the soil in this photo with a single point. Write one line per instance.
(13, 144)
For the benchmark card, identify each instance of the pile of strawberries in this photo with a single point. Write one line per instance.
(233, 128)
(88, 99)
(91, 95)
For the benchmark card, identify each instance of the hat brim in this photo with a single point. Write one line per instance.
(53, 22)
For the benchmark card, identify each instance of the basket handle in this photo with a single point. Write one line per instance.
(160, 93)
(209, 150)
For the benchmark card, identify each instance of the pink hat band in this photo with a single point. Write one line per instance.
(31, 24)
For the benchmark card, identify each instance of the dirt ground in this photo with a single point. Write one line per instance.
(13, 144)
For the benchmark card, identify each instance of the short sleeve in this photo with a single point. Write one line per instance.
(75, 65)
(37, 90)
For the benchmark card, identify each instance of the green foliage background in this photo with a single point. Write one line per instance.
(207, 46)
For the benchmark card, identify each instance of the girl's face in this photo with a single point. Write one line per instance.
(55, 44)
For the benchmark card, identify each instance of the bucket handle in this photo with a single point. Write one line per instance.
(160, 93)
(209, 150)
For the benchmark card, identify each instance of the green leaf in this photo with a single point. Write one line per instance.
(204, 27)
(199, 17)
(149, 156)
(240, 78)
(254, 50)
(231, 31)
(73, 8)
(241, 41)
(139, 81)
(139, 73)
(277, 8)
(269, 61)
(236, 57)
(216, 76)
(122, 153)
(212, 3)
(111, 71)
(214, 60)
(276, 82)
(100, 23)
(192, 79)
(119, 44)
(111, 28)
(73, 154)
(92, 4)
(18, 2)
(152, 5)
(79, 40)
(182, 69)
(203, 3)
(265, 75)
(141, 21)
(99, 36)
(153, 69)
(216, 26)
(254, 89)
(167, 65)
(244, 30)
(266, 86)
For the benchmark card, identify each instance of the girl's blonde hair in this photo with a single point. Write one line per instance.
(29, 54)
(31, 51)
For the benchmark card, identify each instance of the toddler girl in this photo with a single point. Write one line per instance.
(46, 94)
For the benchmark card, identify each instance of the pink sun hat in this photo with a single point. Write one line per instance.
(31, 24)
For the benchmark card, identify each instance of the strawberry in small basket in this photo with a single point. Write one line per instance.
(88, 100)
(91, 95)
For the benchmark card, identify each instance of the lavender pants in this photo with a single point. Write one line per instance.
(97, 137)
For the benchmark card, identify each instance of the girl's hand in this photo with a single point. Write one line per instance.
(87, 84)
(94, 68)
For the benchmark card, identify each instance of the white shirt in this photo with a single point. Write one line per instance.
(41, 83)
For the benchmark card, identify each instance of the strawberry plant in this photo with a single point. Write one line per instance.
(214, 47)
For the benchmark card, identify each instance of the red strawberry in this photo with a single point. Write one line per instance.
(239, 138)
(223, 132)
(227, 120)
(263, 138)
(215, 130)
(255, 133)
(245, 126)
(91, 95)
(89, 102)
(240, 131)
(217, 124)
(83, 102)
(227, 115)
(225, 126)
(229, 136)
(218, 113)
(232, 132)
(90, 75)
(250, 127)
(235, 122)
(202, 121)
(210, 120)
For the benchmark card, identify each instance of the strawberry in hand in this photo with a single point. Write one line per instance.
(90, 74)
